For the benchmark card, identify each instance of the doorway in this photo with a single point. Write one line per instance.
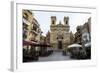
(59, 44)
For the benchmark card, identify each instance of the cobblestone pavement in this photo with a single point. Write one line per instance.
(56, 56)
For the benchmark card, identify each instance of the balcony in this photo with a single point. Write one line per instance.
(26, 21)
(35, 32)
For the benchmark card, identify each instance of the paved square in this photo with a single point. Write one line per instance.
(56, 56)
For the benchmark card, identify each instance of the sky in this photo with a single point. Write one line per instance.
(75, 19)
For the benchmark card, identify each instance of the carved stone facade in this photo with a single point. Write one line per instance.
(59, 35)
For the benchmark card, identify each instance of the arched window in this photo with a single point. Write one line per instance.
(66, 22)
(53, 22)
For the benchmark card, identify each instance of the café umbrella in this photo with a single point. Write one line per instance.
(74, 45)
(88, 44)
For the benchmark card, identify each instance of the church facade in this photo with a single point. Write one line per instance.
(59, 33)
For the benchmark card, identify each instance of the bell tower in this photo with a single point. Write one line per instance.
(66, 20)
(53, 20)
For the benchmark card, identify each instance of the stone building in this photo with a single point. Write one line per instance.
(31, 27)
(78, 35)
(42, 39)
(31, 30)
(86, 31)
(72, 37)
(83, 34)
(27, 21)
(59, 35)
(48, 37)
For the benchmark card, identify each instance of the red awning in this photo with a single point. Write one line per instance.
(33, 43)
(29, 43)
(44, 45)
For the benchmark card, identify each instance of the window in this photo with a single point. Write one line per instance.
(34, 28)
(53, 22)
(25, 16)
(66, 22)
(24, 34)
(25, 26)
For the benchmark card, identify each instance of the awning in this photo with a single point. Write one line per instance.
(25, 42)
(33, 43)
(88, 44)
(74, 45)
